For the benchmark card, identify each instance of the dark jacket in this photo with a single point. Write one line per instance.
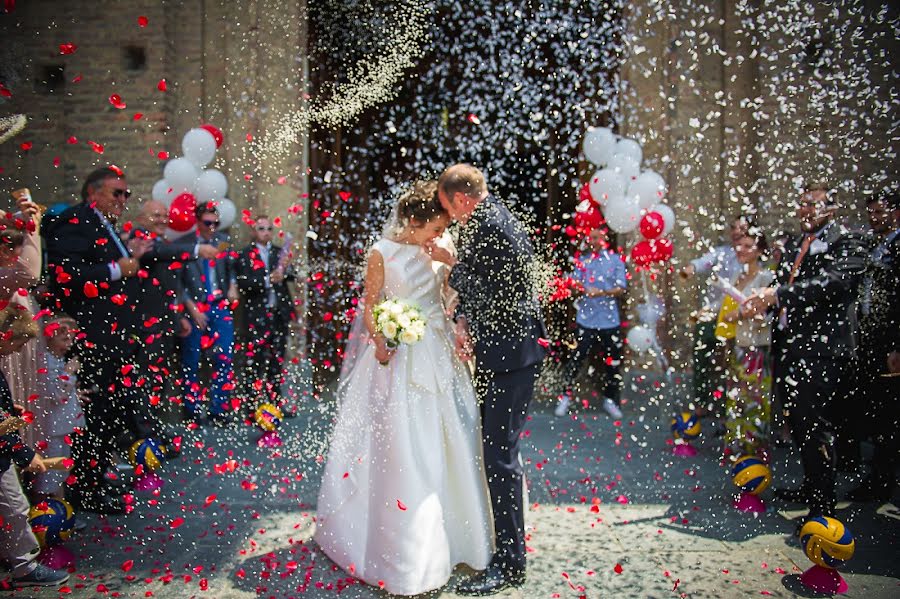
(251, 276)
(820, 305)
(79, 253)
(161, 290)
(12, 449)
(881, 326)
(495, 278)
(193, 279)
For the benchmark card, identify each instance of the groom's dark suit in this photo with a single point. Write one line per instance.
(494, 277)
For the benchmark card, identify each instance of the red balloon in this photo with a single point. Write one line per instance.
(589, 219)
(181, 212)
(585, 194)
(664, 250)
(652, 225)
(642, 253)
(216, 132)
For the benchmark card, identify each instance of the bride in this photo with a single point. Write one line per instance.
(404, 497)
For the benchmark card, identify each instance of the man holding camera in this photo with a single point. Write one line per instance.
(813, 297)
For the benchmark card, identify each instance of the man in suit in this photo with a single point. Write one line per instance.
(876, 388)
(93, 277)
(813, 296)
(210, 295)
(161, 311)
(262, 276)
(499, 317)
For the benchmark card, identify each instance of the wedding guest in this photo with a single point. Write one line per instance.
(602, 274)
(20, 248)
(874, 392)
(263, 274)
(747, 401)
(161, 307)
(210, 292)
(59, 414)
(718, 263)
(93, 277)
(18, 546)
(814, 287)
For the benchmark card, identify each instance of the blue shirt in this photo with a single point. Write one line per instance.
(604, 270)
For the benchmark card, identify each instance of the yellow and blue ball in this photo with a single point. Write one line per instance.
(268, 417)
(685, 426)
(146, 453)
(751, 475)
(827, 542)
(52, 521)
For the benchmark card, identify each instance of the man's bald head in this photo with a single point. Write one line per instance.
(154, 217)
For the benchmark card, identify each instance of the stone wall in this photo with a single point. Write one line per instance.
(238, 65)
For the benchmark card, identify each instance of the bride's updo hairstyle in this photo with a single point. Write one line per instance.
(419, 204)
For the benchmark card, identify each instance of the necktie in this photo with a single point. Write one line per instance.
(208, 274)
(804, 249)
(115, 237)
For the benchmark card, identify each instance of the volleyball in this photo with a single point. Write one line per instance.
(268, 417)
(52, 521)
(685, 426)
(827, 542)
(146, 453)
(751, 475)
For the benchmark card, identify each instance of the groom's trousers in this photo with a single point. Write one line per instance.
(505, 399)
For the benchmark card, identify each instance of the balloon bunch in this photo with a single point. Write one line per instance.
(625, 197)
(187, 182)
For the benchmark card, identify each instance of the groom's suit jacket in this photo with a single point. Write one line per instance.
(495, 276)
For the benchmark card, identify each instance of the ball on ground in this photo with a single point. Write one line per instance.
(685, 426)
(147, 454)
(751, 474)
(52, 521)
(268, 417)
(827, 542)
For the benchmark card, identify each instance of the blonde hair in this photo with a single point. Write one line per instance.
(17, 322)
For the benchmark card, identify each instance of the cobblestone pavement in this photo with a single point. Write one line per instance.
(612, 514)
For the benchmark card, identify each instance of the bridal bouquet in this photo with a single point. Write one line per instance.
(399, 322)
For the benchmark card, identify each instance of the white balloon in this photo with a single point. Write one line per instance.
(640, 338)
(625, 165)
(227, 212)
(622, 214)
(651, 311)
(599, 145)
(631, 149)
(181, 175)
(163, 192)
(649, 188)
(211, 185)
(667, 215)
(199, 147)
(606, 183)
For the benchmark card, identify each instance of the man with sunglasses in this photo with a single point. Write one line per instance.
(813, 297)
(262, 277)
(92, 275)
(210, 295)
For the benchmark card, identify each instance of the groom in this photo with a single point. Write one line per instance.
(499, 316)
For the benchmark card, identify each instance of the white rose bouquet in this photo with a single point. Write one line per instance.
(399, 322)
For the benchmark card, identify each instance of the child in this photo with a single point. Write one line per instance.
(747, 403)
(58, 409)
(18, 546)
(602, 274)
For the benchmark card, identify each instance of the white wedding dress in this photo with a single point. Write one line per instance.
(404, 497)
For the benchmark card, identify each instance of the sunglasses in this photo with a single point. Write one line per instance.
(263, 228)
(118, 193)
(210, 223)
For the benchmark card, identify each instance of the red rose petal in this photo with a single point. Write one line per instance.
(143, 21)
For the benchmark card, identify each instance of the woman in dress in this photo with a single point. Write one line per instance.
(404, 497)
(747, 403)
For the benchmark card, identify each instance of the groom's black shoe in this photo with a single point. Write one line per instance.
(493, 580)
